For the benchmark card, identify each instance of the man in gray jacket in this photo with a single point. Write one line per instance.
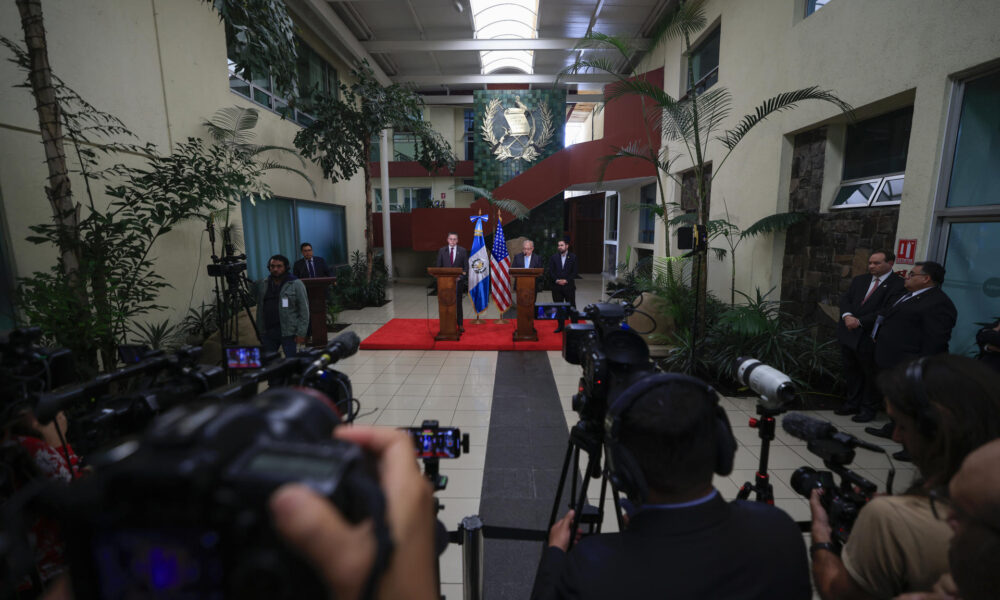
(282, 308)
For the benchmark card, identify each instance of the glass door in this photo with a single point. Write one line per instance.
(972, 279)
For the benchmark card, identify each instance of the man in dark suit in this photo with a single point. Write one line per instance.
(527, 259)
(683, 540)
(859, 307)
(918, 324)
(454, 255)
(562, 272)
(310, 266)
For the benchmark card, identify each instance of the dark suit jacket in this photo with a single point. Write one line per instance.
(920, 326)
(301, 270)
(556, 270)
(461, 260)
(884, 295)
(534, 263)
(715, 550)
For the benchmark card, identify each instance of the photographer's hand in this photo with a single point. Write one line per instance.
(821, 530)
(345, 553)
(559, 534)
(830, 576)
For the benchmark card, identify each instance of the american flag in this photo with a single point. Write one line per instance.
(500, 270)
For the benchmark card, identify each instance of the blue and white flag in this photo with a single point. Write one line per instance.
(479, 268)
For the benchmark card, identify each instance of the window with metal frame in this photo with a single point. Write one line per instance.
(404, 200)
(814, 5)
(705, 61)
(647, 216)
(874, 161)
(314, 74)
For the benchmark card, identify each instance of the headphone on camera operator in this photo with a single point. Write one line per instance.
(623, 467)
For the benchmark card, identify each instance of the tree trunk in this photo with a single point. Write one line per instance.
(369, 229)
(58, 190)
(701, 258)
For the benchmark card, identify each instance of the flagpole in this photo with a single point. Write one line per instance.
(478, 320)
(501, 320)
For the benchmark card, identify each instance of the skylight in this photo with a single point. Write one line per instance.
(506, 19)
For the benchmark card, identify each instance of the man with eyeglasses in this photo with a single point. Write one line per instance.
(917, 324)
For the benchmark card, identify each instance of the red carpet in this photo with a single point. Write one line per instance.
(418, 334)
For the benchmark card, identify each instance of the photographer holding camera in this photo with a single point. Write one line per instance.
(344, 554)
(664, 437)
(944, 407)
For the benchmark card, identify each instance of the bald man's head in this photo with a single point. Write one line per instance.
(974, 554)
(975, 489)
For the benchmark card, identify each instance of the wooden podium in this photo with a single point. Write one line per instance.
(524, 280)
(447, 282)
(316, 290)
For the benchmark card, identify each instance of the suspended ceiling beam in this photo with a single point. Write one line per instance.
(476, 79)
(465, 99)
(466, 45)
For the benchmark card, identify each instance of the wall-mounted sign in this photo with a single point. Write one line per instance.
(515, 131)
(906, 250)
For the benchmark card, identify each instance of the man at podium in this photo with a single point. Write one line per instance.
(454, 255)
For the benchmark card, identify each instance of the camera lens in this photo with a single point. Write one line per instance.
(804, 480)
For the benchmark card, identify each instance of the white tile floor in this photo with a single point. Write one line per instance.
(403, 388)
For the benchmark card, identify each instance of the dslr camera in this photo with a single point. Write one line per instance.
(612, 356)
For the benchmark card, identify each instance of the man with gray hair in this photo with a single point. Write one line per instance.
(527, 259)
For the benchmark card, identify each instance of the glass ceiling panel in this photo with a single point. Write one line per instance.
(505, 19)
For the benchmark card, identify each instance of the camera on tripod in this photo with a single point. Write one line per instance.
(612, 357)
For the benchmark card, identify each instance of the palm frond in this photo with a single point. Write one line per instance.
(597, 40)
(688, 18)
(258, 149)
(781, 102)
(630, 150)
(232, 125)
(773, 223)
(590, 65)
(639, 87)
(478, 192)
(713, 108)
(720, 253)
(513, 207)
(273, 165)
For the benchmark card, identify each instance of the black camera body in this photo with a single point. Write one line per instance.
(843, 503)
(228, 266)
(612, 358)
(184, 512)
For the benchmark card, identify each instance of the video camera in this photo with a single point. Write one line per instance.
(842, 502)
(612, 356)
(182, 511)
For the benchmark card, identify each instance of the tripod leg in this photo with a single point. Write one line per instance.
(562, 484)
(593, 461)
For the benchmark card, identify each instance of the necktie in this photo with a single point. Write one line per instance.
(871, 290)
(453, 256)
(312, 272)
(878, 321)
(905, 297)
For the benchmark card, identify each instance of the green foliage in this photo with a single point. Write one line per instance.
(339, 139)
(354, 290)
(520, 211)
(261, 39)
(200, 322)
(233, 126)
(758, 329)
(158, 336)
(333, 311)
(116, 281)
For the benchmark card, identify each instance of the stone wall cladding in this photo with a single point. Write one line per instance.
(823, 254)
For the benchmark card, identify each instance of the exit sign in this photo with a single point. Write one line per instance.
(906, 251)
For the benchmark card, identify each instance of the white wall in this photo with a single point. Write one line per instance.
(160, 67)
(870, 53)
